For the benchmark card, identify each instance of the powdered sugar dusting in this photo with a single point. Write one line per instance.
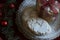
(39, 26)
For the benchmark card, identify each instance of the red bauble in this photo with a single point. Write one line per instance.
(12, 5)
(4, 23)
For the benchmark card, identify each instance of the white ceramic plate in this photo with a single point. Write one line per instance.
(55, 27)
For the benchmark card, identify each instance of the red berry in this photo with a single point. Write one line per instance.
(12, 5)
(4, 23)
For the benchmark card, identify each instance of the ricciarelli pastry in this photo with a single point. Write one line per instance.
(33, 23)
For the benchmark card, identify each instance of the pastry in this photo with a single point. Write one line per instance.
(32, 22)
